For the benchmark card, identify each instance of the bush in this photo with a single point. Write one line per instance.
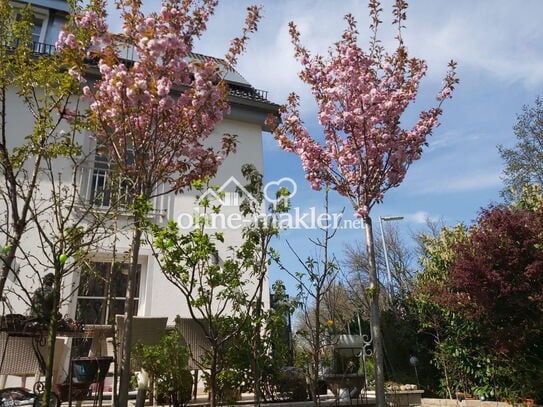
(167, 366)
(290, 385)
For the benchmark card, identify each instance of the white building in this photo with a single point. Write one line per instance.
(155, 295)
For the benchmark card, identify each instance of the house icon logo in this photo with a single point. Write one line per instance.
(230, 194)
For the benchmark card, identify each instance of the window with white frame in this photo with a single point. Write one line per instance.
(102, 291)
(39, 28)
(102, 186)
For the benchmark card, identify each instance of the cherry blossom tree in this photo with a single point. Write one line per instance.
(361, 96)
(153, 113)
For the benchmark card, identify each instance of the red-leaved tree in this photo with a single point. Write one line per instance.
(361, 96)
(153, 112)
(497, 278)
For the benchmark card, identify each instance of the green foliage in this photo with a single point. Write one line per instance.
(401, 341)
(228, 389)
(456, 349)
(478, 297)
(225, 296)
(276, 344)
(524, 162)
(530, 198)
(290, 385)
(167, 366)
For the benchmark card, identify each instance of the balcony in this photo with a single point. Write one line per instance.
(102, 189)
(38, 48)
(234, 89)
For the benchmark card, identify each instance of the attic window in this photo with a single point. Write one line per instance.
(37, 29)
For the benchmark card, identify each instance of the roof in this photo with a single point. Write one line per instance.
(230, 74)
(59, 5)
(239, 87)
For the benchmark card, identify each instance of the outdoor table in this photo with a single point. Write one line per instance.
(98, 333)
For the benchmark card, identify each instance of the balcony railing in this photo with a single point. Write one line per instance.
(42, 48)
(102, 189)
(246, 92)
(39, 48)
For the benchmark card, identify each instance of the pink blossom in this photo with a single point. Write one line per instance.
(133, 105)
(361, 96)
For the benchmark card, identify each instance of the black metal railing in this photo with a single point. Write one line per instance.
(37, 47)
(42, 48)
(246, 92)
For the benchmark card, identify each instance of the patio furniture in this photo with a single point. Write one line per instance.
(145, 330)
(23, 354)
(84, 372)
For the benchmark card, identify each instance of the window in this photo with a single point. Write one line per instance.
(37, 29)
(100, 284)
(102, 186)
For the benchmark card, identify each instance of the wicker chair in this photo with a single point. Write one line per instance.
(145, 330)
(18, 357)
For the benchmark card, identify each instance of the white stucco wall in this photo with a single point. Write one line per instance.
(158, 297)
(161, 298)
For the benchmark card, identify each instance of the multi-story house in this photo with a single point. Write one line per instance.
(155, 296)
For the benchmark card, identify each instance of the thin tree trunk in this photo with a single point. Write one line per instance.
(257, 349)
(51, 340)
(124, 384)
(316, 348)
(213, 380)
(443, 362)
(375, 317)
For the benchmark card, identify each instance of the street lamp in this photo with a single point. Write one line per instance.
(389, 275)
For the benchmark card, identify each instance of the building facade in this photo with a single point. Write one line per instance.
(86, 293)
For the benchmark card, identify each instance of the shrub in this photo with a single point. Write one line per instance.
(291, 385)
(167, 366)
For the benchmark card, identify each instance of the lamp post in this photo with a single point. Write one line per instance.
(385, 253)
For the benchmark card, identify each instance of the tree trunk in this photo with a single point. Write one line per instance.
(51, 340)
(124, 383)
(257, 349)
(317, 346)
(213, 380)
(375, 317)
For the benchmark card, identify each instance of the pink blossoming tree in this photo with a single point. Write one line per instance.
(361, 96)
(153, 113)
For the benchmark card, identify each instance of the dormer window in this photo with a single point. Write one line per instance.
(38, 30)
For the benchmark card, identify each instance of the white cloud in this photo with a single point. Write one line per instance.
(469, 179)
(502, 38)
(419, 217)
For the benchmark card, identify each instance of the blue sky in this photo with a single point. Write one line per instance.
(498, 45)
